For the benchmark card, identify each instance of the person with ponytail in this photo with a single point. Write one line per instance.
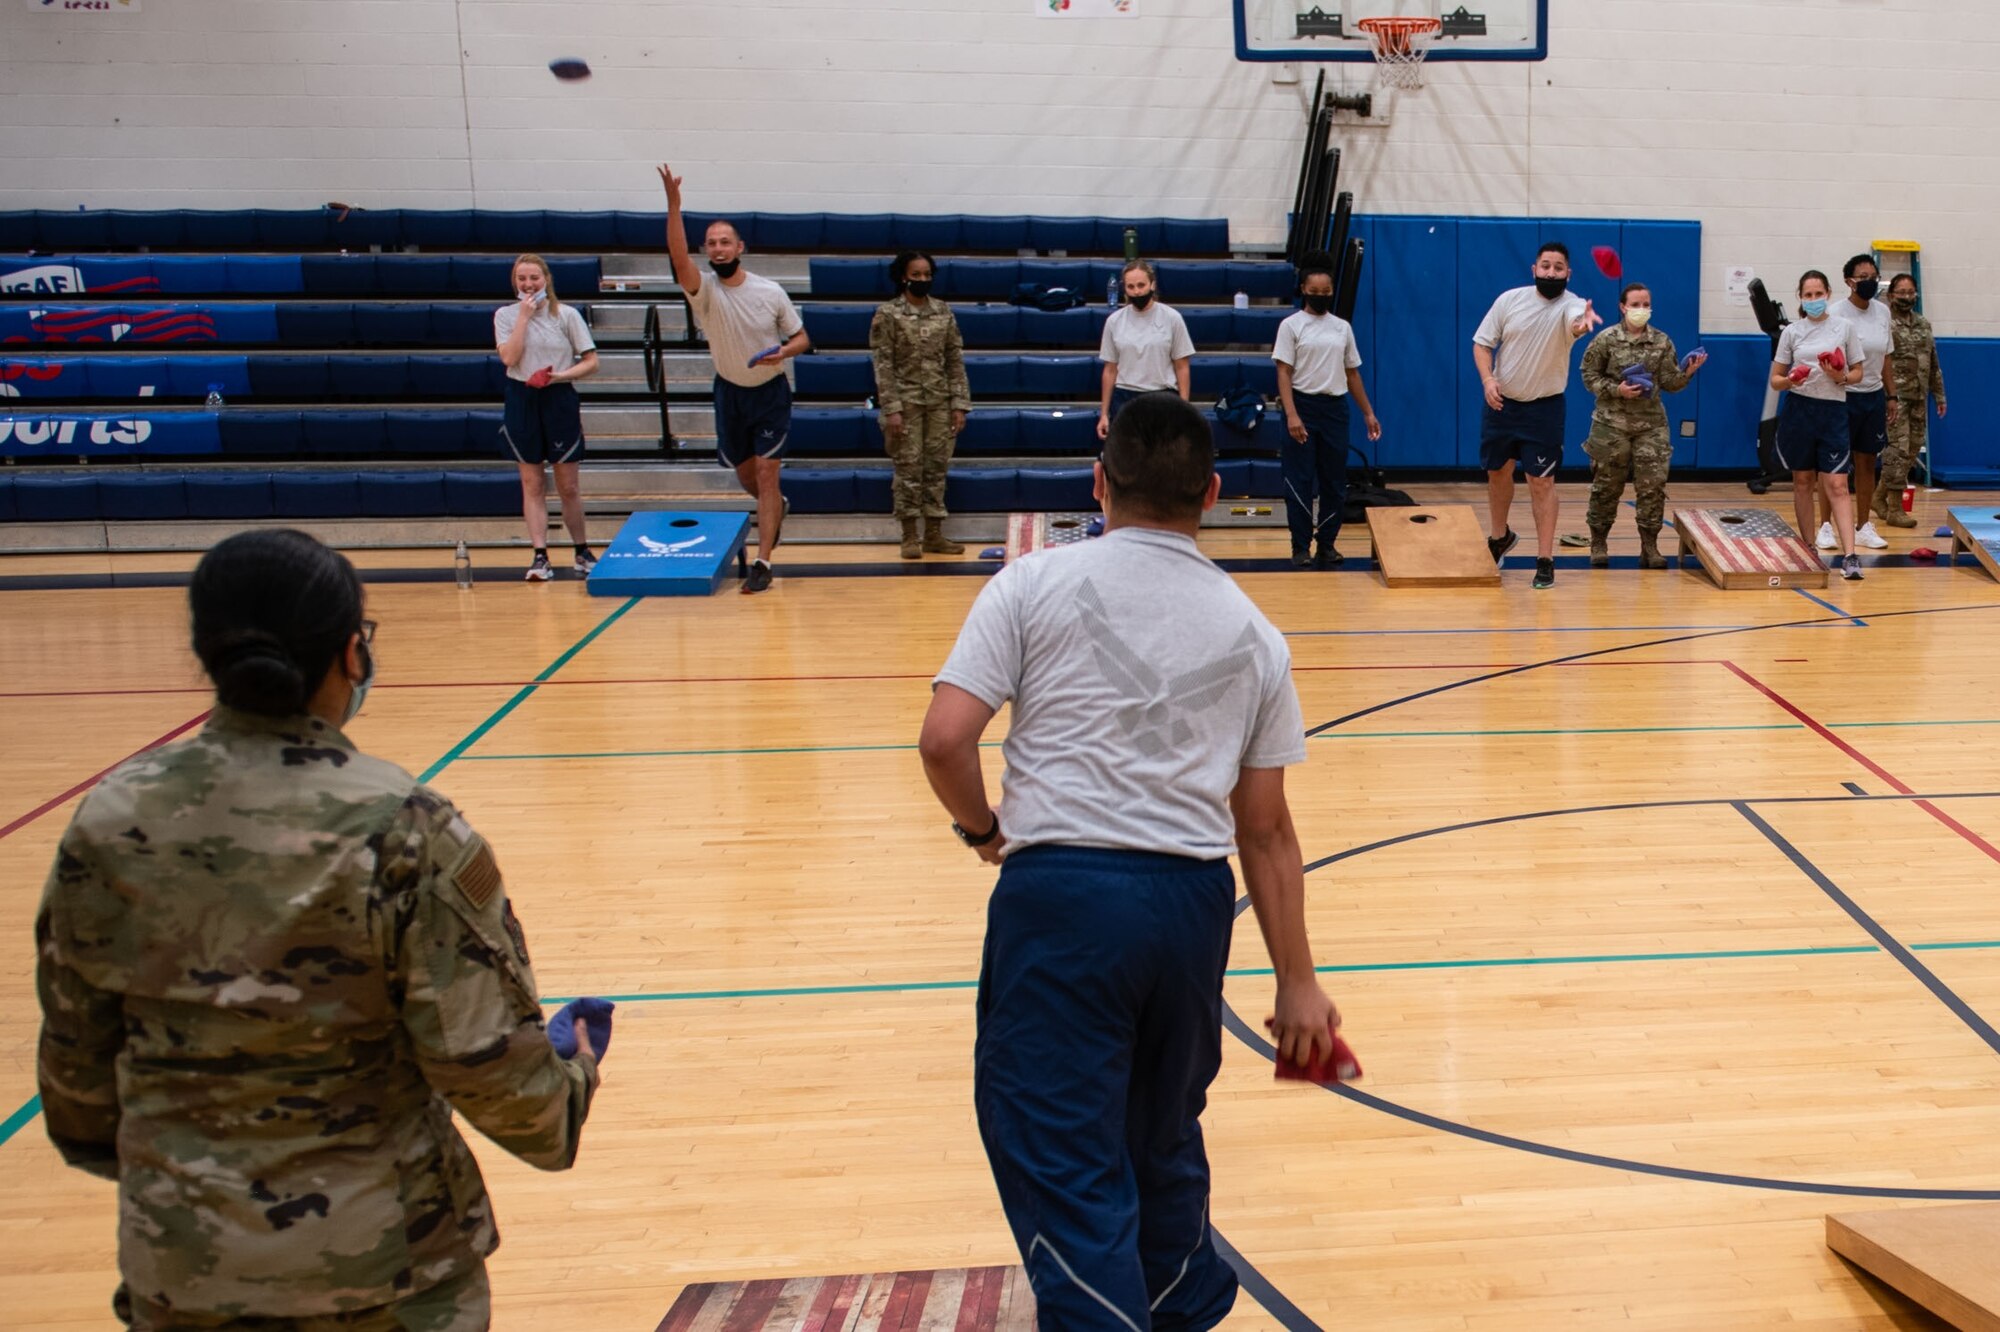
(1145, 348)
(271, 967)
(546, 348)
(920, 386)
(1318, 369)
(1819, 358)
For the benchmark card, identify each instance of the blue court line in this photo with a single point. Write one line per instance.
(20, 1119)
(1855, 787)
(1875, 930)
(1857, 621)
(1289, 1315)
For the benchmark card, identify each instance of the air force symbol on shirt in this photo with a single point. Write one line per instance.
(1156, 717)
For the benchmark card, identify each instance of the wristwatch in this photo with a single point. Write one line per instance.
(983, 838)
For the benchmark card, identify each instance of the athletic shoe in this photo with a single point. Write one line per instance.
(1827, 540)
(1545, 574)
(584, 561)
(1302, 559)
(759, 577)
(1868, 537)
(1329, 559)
(1499, 546)
(1850, 568)
(539, 571)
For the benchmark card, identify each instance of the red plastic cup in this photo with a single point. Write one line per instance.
(1909, 498)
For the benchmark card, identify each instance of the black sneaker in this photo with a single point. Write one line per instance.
(539, 571)
(1302, 559)
(584, 561)
(1850, 568)
(1329, 559)
(1499, 546)
(1545, 573)
(759, 577)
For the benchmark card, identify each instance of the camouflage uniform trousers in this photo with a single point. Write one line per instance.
(1641, 456)
(922, 457)
(1907, 434)
(463, 1304)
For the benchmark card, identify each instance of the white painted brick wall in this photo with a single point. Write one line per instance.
(1796, 130)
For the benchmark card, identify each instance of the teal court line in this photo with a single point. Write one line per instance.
(1356, 968)
(1326, 735)
(33, 1106)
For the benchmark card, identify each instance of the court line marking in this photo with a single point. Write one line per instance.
(1859, 623)
(56, 801)
(1289, 1315)
(1875, 930)
(13, 1123)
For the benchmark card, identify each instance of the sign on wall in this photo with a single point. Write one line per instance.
(1082, 9)
(84, 6)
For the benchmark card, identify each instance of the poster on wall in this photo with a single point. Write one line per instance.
(1086, 9)
(84, 6)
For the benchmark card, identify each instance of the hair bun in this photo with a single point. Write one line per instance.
(254, 673)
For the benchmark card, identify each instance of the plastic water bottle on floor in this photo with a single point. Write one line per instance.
(214, 403)
(461, 561)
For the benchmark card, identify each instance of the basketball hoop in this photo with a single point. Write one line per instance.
(1400, 45)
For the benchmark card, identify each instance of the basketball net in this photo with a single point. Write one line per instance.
(1400, 45)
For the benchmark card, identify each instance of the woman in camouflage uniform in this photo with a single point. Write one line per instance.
(1628, 367)
(921, 388)
(1919, 378)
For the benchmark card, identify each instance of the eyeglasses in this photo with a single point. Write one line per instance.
(368, 631)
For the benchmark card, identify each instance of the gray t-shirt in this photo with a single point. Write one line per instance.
(1877, 335)
(1533, 339)
(741, 321)
(1142, 680)
(553, 342)
(1804, 341)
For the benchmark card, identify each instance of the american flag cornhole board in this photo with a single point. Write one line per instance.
(1030, 532)
(978, 1299)
(1976, 530)
(1747, 548)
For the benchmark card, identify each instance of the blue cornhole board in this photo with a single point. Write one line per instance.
(670, 555)
(1977, 530)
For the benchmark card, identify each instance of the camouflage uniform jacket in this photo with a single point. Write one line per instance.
(1604, 367)
(919, 357)
(1913, 354)
(270, 967)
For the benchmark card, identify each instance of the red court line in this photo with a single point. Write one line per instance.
(89, 782)
(1901, 787)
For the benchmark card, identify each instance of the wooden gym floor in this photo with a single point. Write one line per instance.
(1663, 919)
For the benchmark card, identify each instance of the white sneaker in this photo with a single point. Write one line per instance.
(1868, 537)
(1826, 540)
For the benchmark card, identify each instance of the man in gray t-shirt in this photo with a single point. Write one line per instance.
(1153, 719)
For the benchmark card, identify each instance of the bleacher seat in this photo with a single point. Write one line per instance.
(1061, 378)
(261, 434)
(993, 376)
(470, 376)
(192, 274)
(795, 232)
(828, 431)
(1213, 376)
(220, 228)
(850, 279)
(981, 490)
(412, 274)
(313, 324)
(482, 430)
(128, 377)
(836, 376)
(262, 274)
(315, 495)
(147, 230)
(56, 498)
(1258, 326)
(141, 495)
(1074, 234)
(483, 275)
(195, 376)
(1007, 232)
(368, 378)
(228, 495)
(437, 228)
(289, 378)
(482, 494)
(582, 231)
(6, 498)
(1063, 328)
(1206, 235)
(364, 228)
(978, 279)
(17, 231)
(1263, 281)
(1267, 478)
(401, 494)
(818, 489)
(933, 234)
(424, 434)
(338, 274)
(1235, 474)
(839, 325)
(1194, 281)
(1208, 327)
(116, 275)
(988, 325)
(1152, 234)
(335, 434)
(292, 228)
(1058, 430)
(993, 431)
(1051, 490)
(59, 229)
(859, 231)
(459, 325)
(393, 324)
(524, 229)
(576, 278)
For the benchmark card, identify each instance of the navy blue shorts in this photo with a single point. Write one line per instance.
(542, 425)
(1528, 432)
(1868, 421)
(1812, 436)
(752, 422)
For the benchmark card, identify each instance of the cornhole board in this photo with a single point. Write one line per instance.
(1940, 1257)
(1747, 548)
(1976, 530)
(1443, 546)
(989, 1299)
(665, 554)
(1030, 532)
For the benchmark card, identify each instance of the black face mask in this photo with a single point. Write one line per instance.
(1866, 288)
(1141, 301)
(725, 270)
(1550, 288)
(1903, 302)
(1317, 303)
(918, 287)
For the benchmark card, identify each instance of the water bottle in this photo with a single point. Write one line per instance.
(1111, 292)
(215, 397)
(461, 561)
(1242, 300)
(1131, 244)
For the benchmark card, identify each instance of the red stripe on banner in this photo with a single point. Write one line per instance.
(753, 1307)
(970, 1300)
(128, 284)
(1901, 788)
(89, 782)
(843, 1303)
(914, 1289)
(822, 1304)
(682, 1315)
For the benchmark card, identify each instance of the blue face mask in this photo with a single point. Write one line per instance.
(360, 694)
(1812, 309)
